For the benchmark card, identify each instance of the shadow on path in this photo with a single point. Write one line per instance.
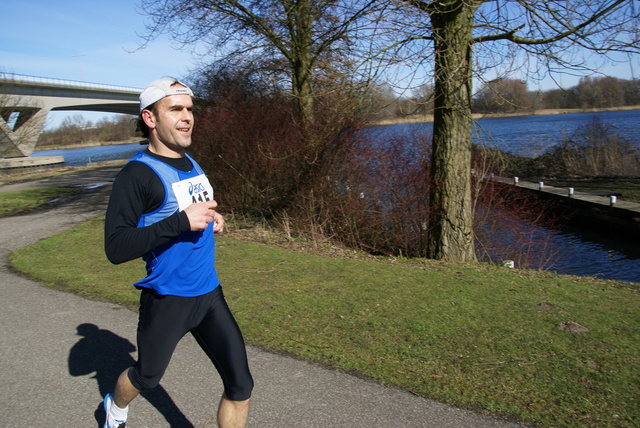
(107, 355)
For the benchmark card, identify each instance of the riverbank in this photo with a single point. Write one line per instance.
(131, 140)
(476, 116)
(25, 174)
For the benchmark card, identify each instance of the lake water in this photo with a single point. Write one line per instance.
(533, 135)
(576, 251)
(593, 252)
(84, 155)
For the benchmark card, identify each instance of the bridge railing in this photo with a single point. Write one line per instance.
(17, 78)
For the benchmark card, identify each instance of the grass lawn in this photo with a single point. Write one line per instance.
(477, 336)
(23, 201)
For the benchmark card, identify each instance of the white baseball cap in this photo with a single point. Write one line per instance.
(158, 89)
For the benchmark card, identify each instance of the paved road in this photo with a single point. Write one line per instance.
(60, 354)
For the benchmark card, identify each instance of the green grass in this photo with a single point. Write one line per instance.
(23, 201)
(473, 335)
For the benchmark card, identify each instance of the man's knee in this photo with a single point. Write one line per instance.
(241, 390)
(142, 382)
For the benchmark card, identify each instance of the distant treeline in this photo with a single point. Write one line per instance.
(505, 96)
(76, 130)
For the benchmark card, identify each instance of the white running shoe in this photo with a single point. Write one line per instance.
(110, 422)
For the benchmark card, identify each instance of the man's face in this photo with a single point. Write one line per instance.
(173, 122)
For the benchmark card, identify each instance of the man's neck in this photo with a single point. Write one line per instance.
(160, 149)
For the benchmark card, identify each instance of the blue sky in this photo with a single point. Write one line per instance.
(98, 41)
(91, 41)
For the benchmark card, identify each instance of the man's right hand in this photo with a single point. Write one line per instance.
(200, 214)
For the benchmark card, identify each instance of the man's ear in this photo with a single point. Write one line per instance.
(148, 118)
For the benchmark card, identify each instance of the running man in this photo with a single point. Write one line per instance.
(162, 209)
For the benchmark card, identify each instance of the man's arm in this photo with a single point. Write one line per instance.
(138, 190)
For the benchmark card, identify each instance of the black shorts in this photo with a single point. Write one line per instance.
(164, 320)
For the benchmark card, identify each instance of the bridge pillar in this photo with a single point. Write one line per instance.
(20, 129)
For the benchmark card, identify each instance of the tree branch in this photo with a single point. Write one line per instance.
(571, 31)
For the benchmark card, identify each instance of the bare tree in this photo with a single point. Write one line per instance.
(299, 37)
(547, 35)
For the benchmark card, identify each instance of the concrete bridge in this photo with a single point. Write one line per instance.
(25, 102)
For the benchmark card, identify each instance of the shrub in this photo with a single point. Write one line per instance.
(377, 199)
(593, 150)
(262, 161)
(322, 180)
(511, 223)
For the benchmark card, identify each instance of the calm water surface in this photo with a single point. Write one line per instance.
(533, 135)
(575, 251)
(594, 252)
(84, 155)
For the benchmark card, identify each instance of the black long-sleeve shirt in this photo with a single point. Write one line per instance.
(138, 190)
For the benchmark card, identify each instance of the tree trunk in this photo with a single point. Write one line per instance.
(302, 88)
(301, 58)
(451, 213)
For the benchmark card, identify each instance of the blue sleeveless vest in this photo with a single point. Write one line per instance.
(183, 266)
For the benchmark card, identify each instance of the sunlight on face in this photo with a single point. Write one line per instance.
(173, 120)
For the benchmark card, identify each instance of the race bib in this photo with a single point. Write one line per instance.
(192, 191)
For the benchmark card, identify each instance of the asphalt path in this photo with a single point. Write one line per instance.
(61, 353)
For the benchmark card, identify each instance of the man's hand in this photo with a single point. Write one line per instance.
(203, 213)
(218, 226)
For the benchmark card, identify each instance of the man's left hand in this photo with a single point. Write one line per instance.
(218, 225)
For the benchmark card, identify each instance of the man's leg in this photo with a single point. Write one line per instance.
(160, 328)
(232, 414)
(125, 392)
(219, 336)
(116, 405)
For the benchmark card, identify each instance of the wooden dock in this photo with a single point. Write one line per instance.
(602, 209)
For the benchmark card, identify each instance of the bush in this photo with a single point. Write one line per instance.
(262, 161)
(513, 224)
(326, 180)
(594, 150)
(376, 200)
